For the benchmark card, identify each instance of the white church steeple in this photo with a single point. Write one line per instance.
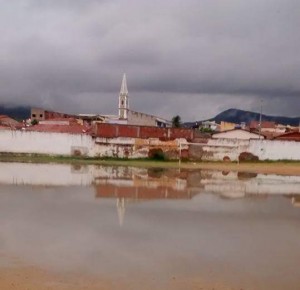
(123, 99)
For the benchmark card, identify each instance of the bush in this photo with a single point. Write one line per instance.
(247, 157)
(157, 154)
(34, 122)
(206, 130)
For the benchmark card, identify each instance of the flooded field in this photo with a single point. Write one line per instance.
(104, 227)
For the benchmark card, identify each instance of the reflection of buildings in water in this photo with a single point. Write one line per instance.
(236, 184)
(149, 183)
(143, 187)
(44, 174)
(295, 200)
(145, 184)
(60, 174)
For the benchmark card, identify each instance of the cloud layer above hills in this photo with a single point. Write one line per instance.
(193, 58)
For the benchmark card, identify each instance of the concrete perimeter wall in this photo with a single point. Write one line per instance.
(45, 143)
(121, 141)
(275, 150)
(230, 149)
(29, 142)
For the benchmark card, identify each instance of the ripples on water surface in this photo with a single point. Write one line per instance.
(124, 222)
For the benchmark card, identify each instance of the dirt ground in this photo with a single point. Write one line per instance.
(19, 276)
(32, 278)
(264, 168)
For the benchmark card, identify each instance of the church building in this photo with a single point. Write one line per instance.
(125, 116)
(130, 117)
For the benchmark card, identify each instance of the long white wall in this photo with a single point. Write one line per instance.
(275, 150)
(45, 143)
(75, 144)
(217, 149)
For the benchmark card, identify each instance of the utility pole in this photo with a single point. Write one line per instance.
(260, 118)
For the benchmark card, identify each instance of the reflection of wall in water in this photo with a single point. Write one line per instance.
(235, 184)
(61, 174)
(44, 174)
(296, 201)
(121, 180)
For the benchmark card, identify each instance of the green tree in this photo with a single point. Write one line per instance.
(34, 122)
(176, 121)
(206, 130)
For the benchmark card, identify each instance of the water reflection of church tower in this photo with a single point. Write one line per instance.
(121, 210)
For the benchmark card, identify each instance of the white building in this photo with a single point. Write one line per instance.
(238, 134)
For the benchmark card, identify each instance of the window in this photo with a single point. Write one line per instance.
(33, 115)
(41, 115)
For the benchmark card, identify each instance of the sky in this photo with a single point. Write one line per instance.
(194, 58)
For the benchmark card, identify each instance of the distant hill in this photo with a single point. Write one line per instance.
(18, 113)
(238, 116)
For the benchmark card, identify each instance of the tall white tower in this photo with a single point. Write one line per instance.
(123, 99)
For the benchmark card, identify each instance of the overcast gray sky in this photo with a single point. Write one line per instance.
(190, 57)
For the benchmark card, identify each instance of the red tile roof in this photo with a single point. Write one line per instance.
(264, 124)
(4, 127)
(71, 120)
(290, 136)
(9, 122)
(72, 129)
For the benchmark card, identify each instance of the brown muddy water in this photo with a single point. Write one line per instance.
(135, 228)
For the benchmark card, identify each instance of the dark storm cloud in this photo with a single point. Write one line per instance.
(189, 57)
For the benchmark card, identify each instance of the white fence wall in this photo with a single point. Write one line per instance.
(72, 144)
(217, 149)
(275, 150)
(226, 148)
(45, 143)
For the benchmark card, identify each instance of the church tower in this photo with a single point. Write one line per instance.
(123, 99)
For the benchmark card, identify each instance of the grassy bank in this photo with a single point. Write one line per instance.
(39, 158)
(276, 167)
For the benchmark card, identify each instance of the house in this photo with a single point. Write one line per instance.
(264, 126)
(6, 121)
(226, 126)
(269, 129)
(210, 125)
(239, 134)
(60, 125)
(41, 114)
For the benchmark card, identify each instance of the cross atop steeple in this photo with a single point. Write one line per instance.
(124, 90)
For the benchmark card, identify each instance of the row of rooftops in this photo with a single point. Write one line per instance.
(266, 128)
(83, 125)
(235, 134)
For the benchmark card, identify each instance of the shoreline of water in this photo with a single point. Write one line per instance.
(264, 167)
